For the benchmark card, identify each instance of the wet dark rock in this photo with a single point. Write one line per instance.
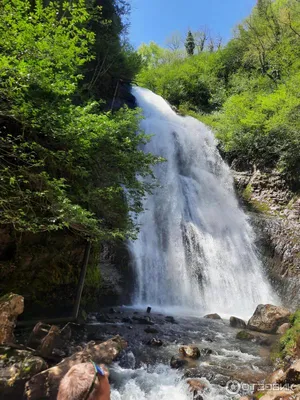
(103, 318)
(200, 372)
(213, 316)
(59, 353)
(190, 351)
(112, 311)
(143, 320)
(149, 310)
(198, 397)
(170, 319)
(177, 362)
(91, 318)
(17, 366)
(267, 318)
(206, 352)
(151, 330)
(127, 320)
(155, 342)
(237, 323)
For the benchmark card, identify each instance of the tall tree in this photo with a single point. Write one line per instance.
(200, 38)
(190, 44)
(174, 42)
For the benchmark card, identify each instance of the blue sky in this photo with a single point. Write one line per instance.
(157, 19)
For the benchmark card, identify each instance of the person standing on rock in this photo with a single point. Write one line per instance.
(85, 381)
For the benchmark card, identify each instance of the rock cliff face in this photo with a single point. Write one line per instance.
(45, 267)
(275, 213)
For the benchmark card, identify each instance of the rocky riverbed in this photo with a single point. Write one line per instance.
(154, 365)
(151, 355)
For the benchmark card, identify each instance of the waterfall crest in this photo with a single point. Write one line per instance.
(195, 247)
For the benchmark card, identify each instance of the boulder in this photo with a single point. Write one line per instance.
(190, 351)
(170, 319)
(267, 318)
(151, 330)
(212, 316)
(237, 323)
(103, 318)
(17, 366)
(48, 340)
(177, 362)
(196, 386)
(45, 384)
(11, 305)
(292, 374)
(283, 328)
(275, 377)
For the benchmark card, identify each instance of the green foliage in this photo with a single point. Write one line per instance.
(247, 193)
(65, 165)
(247, 91)
(191, 82)
(114, 58)
(289, 341)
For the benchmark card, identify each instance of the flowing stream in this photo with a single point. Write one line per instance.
(195, 249)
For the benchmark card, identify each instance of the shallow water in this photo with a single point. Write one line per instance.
(144, 372)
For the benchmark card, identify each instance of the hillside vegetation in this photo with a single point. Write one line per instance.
(64, 157)
(248, 91)
(67, 149)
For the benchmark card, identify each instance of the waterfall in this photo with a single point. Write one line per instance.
(195, 248)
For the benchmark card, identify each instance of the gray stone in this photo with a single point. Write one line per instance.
(267, 318)
(237, 323)
(177, 362)
(213, 316)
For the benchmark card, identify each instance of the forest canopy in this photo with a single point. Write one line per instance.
(247, 90)
(65, 156)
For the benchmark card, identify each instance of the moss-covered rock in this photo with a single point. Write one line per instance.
(16, 367)
(245, 335)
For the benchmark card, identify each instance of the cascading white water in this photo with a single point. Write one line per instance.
(195, 248)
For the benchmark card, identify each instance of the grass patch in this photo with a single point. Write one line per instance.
(288, 342)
